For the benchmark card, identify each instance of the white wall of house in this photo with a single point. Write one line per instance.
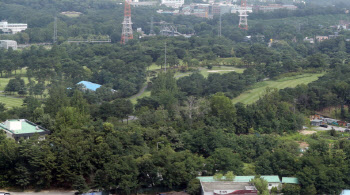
(271, 185)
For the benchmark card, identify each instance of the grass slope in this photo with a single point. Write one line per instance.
(147, 93)
(258, 90)
(11, 102)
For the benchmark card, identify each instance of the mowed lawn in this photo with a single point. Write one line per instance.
(258, 90)
(11, 102)
(146, 93)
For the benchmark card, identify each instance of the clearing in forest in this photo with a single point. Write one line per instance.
(259, 89)
(11, 101)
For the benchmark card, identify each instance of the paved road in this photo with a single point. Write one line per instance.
(143, 89)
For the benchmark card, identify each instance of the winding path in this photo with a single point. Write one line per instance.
(142, 90)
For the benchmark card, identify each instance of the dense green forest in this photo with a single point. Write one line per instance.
(188, 126)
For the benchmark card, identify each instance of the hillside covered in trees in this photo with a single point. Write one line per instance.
(187, 126)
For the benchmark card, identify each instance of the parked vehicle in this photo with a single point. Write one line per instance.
(4, 193)
(325, 126)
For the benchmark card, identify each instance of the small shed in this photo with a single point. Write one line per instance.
(316, 122)
(330, 121)
(342, 123)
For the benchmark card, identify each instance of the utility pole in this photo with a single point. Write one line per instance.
(165, 56)
(243, 16)
(55, 30)
(127, 33)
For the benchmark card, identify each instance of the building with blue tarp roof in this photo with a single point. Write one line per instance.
(87, 85)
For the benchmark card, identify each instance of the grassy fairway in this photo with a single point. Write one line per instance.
(258, 90)
(11, 102)
(145, 94)
(154, 67)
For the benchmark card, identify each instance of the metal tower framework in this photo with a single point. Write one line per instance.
(127, 33)
(55, 30)
(243, 15)
(220, 25)
(151, 32)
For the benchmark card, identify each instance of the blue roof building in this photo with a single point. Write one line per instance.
(89, 85)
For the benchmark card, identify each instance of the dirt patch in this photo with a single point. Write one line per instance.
(304, 132)
(303, 144)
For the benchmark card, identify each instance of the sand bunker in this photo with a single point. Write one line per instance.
(307, 132)
(219, 70)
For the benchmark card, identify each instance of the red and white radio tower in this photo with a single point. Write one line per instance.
(127, 33)
(243, 15)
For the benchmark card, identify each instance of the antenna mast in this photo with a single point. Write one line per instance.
(127, 33)
(243, 16)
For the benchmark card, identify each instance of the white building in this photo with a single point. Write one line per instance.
(173, 3)
(18, 128)
(12, 28)
(239, 185)
(8, 43)
(237, 8)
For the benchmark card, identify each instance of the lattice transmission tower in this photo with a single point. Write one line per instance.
(55, 30)
(127, 33)
(243, 15)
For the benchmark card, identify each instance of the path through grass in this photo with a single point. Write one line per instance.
(147, 93)
(258, 89)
